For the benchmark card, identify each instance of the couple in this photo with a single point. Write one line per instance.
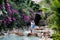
(35, 21)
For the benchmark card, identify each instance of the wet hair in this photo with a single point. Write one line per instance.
(39, 10)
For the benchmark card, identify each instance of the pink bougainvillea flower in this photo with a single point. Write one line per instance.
(0, 7)
(10, 11)
(26, 18)
(14, 19)
(10, 19)
(15, 11)
(8, 4)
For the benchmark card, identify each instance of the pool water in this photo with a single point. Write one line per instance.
(15, 37)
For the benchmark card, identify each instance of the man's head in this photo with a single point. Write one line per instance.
(39, 10)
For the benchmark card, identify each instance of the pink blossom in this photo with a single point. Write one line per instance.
(10, 11)
(15, 11)
(26, 18)
(14, 19)
(10, 19)
(8, 4)
(9, 8)
(0, 7)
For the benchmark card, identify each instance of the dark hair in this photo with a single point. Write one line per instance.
(39, 10)
(31, 19)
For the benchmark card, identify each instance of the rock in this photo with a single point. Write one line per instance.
(36, 28)
(26, 32)
(32, 34)
(1, 34)
(40, 34)
(35, 34)
(29, 34)
(20, 33)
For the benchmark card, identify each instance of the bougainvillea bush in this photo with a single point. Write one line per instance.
(16, 13)
(9, 15)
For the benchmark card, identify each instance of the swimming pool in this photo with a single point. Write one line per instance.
(15, 37)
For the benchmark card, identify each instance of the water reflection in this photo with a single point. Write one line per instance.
(15, 37)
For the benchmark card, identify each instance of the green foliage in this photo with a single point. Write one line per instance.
(1, 1)
(54, 19)
(52, 9)
(56, 36)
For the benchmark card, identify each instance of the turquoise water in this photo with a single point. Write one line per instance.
(15, 37)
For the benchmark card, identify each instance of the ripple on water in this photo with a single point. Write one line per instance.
(15, 37)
